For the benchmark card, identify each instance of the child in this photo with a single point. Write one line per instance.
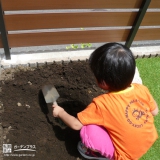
(117, 125)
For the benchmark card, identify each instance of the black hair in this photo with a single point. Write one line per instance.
(114, 64)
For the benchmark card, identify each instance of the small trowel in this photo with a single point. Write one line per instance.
(50, 94)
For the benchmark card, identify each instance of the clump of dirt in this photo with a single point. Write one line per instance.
(27, 119)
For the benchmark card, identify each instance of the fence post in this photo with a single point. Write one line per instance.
(4, 35)
(137, 22)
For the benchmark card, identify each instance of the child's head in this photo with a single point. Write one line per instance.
(113, 65)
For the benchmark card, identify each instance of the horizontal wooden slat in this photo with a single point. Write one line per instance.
(72, 4)
(54, 38)
(75, 20)
(68, 4)
(151, 19)
(148, 34)
(154, 4)
(68, 20)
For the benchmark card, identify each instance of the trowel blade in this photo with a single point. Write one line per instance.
(50, 93)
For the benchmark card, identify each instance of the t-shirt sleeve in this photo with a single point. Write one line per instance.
(91, 115)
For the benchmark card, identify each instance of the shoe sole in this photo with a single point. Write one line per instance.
(88, 157)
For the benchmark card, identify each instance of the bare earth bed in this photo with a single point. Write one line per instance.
(27, 121)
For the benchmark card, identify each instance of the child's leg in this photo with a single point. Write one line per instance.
(97, 138)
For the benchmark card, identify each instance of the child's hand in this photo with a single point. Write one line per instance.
(56, 110)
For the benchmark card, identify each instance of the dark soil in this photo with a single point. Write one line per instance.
(27, 119)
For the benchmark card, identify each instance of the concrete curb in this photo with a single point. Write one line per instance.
(43, 57)
(1, 132)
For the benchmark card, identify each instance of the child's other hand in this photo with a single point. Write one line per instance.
(56, 110)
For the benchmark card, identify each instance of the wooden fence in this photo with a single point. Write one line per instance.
(52, 22)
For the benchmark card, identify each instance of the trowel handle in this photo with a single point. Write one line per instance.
(55, 103)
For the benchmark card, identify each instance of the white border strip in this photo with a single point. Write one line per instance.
(42, 57)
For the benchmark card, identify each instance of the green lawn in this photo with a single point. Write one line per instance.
(149, 69)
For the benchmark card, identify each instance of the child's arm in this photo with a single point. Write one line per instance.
(69, 120)
(155, 111)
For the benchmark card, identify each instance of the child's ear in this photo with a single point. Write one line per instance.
(103, 85)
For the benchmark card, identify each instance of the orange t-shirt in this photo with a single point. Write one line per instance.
(127, 117)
